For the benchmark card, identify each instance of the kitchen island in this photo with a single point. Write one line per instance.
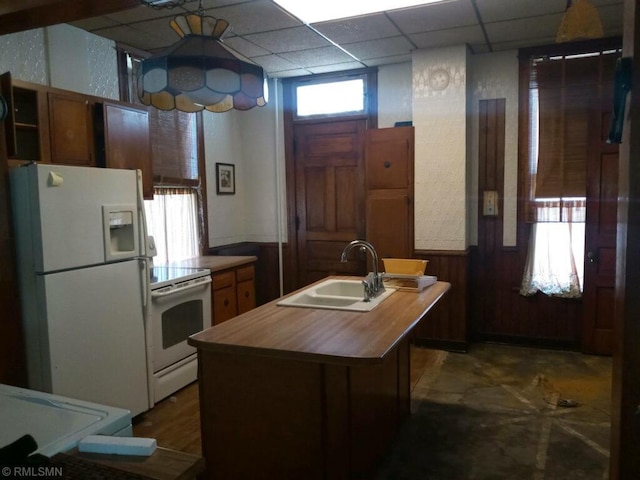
(289, 392)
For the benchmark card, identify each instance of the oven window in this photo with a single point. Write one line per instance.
(181, 321)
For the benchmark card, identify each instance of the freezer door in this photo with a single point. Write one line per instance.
(96, 340)
(60, 209)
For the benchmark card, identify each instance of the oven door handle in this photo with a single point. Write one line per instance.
(198, 284)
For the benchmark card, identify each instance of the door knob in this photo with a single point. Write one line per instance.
(387, 164)
(591, 256)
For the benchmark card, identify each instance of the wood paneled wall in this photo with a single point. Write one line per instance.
(446, 325)
(498, 311)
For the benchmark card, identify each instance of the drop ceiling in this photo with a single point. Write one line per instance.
(285, 47)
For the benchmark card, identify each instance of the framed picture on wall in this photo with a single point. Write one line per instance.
(225, 179)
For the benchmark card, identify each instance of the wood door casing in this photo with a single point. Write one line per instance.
(329, 194)
(600, 237)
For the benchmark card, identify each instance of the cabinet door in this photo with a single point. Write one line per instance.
(127, 141)
(389, 157)
(389, 172)
(225, 305)
(26, 126)
(389, 214)
(71, 129)
(246, 296)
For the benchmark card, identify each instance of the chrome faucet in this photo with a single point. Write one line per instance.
(373, 284)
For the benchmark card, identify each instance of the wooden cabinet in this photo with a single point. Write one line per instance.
(51, 125)
(233, 292)
(26, 126)
(389, 154)
(70, 123)
(123, 138)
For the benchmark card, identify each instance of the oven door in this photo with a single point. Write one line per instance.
(177, 314)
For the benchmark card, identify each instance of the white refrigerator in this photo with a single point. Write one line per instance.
(84, 277)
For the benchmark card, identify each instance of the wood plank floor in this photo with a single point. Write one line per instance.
(175, 421)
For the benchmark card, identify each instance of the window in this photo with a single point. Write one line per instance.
(333, 97)
(172, 220)
(175, 215)
(562, 90)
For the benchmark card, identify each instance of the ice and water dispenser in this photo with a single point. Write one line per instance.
(121, 231)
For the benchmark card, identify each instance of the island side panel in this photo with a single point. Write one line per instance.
(260, 417)
(378, 396)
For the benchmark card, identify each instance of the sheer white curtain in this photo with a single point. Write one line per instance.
(555, 261)
(172, 220)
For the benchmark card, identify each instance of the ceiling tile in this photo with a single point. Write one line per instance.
(142, 14)
(498, 10)
(254, 17)
(246, 48)
(291, 73)
(524, 29)
(317, 57)
(133, 37)
(358, 29)
(452, 36)
(91, 24)
(386, 47)
(289, 39)
(274, 63)
(374, 62)
(336, 67)
(437, 16)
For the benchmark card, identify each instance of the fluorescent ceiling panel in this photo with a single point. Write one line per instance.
(321, 11)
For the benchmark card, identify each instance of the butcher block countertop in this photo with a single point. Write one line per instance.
(321, 335)
(215, 263)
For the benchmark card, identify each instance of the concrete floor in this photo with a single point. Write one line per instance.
(501, 412)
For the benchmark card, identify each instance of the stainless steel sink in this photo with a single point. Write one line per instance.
(335, 294)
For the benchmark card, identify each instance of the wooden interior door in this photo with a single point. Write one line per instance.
(329, 189)
(600, 234)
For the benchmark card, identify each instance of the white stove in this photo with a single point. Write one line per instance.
(180, 306)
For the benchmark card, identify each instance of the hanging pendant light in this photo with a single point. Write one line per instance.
(200, 72)
(580, 21)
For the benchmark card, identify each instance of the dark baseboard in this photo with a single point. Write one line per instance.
(552, 344)
(448, 345)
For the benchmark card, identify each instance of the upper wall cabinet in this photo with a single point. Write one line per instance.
(71, 129)
(389, 178)
(51, 125)
(123, 139)
(26, 125)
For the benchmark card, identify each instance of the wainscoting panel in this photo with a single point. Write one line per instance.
(446, 325)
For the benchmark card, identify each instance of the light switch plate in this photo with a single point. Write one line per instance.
(490, 203)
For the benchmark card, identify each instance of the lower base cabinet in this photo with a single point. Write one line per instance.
(233, 292)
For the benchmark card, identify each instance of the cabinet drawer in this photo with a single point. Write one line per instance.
(245, 273)
(223, 280)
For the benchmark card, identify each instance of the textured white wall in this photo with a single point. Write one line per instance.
(82, 62)
(495, 75)
(64, 57)
(25, 56)
(440, 121)
(394, 94)
(250, 141)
